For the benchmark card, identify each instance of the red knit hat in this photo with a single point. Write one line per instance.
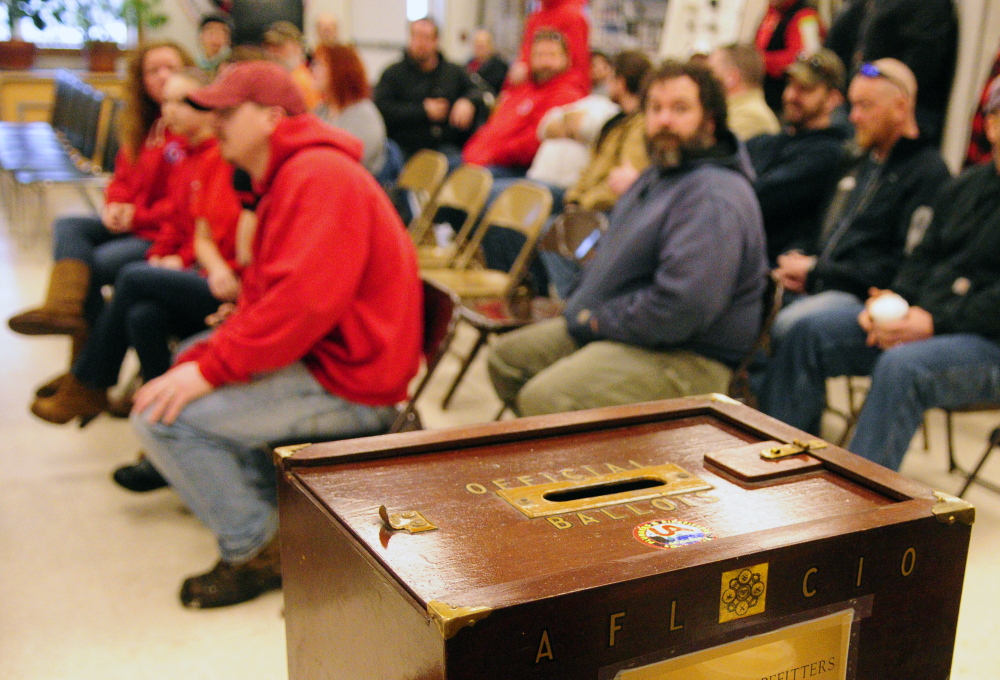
(260, 82)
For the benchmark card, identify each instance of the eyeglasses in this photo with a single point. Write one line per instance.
(870, 70)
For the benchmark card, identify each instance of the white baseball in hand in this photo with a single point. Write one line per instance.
(889, 307)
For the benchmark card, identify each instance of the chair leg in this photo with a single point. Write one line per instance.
(972, 476)
(480, 341)
(924, 433)
(499, 415)
(952, 465)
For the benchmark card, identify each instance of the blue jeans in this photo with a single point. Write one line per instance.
(86, 239)
(945, 371)
(798, 307)
(150, 306)
(216, 455)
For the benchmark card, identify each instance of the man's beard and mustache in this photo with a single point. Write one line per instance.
(540, 76)
(667, 149)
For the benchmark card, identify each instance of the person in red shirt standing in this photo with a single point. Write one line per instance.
(508, 141)
(323, 342)
(790, 28)
(565, 17)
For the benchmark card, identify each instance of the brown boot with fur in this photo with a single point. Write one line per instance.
(62, 311)
(72, 400)
(49, 388)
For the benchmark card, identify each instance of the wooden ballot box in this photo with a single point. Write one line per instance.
(686, 539)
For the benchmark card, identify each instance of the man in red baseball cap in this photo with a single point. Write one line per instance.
(324, 340)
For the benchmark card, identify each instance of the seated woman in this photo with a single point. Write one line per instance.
(89, 251)
(190, 270)
(347, 100)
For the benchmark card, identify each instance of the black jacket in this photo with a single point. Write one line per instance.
(493, 71)
(955, 271)
(923, 34)
(795, 176)
(869, 250)
(400, 95)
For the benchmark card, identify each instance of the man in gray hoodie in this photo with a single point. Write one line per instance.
(672, 300)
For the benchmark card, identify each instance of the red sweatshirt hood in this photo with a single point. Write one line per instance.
(304, 131)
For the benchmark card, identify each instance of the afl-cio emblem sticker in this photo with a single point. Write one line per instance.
(663, 534)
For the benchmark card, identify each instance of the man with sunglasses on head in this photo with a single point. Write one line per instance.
(797, 168)
(940, 351)
(865, 227)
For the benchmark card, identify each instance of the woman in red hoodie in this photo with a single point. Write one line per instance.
(90, 251)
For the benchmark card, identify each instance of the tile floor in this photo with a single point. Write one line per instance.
(89, 573)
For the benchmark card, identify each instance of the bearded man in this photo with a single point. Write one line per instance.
(672, 299)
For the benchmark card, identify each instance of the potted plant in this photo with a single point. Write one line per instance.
(141, 15)
(16, 54)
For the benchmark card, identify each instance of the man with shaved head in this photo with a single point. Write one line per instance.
(864, 231)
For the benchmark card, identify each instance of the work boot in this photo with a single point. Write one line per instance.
(49, 388)
(230, 584)
(139, 476)
(62, 311)
(72, 400)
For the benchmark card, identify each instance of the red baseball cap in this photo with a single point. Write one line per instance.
(260, 82)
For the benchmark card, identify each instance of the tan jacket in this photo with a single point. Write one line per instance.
(750, 116)
(626, 142)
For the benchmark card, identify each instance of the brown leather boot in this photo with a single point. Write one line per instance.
(49, 388)
(72, 400)
(62, 311)
(230, 584)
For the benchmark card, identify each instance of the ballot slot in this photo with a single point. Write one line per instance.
(554, 498)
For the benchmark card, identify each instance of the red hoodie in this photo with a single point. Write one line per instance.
(567, 17)
(333, 281)
(510, 138)
(200, 185)
(142, 181)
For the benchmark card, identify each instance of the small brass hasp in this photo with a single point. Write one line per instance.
(795, 448)
(408, 520)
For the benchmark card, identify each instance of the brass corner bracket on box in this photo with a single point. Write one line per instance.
(950, 510)
(450, 619)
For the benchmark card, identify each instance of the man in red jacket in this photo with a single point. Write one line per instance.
(508, 141)
(324, 340)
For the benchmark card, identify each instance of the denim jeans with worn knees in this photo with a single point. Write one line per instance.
(216, 457)
(945, 371)
(816, 347)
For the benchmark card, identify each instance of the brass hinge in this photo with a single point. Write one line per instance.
(950, 509)
(450, 619)
(795, 448)
(408, 520)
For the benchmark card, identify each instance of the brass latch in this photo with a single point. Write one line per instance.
(795, 448)
(408, 520)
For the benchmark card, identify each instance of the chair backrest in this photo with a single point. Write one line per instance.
(465, 189)
(739, 384)
(441, 314)
(81, 131)
(112, 141)
(66, 87)
(423, 174)
(570, 230)
(523, 206)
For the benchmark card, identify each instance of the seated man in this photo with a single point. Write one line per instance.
(508, 141)
(942, 354)
(284, 42)
(672, 299)
(426, 101)
(486, 63)
(740, 69)
(866, 225)
(323, 342)
(797, 169)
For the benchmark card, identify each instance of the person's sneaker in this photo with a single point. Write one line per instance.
(139, 477)
(228, 584)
